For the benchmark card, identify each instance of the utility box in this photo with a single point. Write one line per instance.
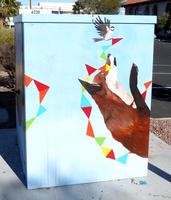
(83, 97)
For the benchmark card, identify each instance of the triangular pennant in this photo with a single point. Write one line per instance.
(123, 159)
(82, 89)
(29, 122)
(103, 56)
(90, 130)
(103, 68)
(42, 94)
(87, 79)
(40, 86)
(90, 69)
(144, 94)
(108, 67)
(41, 110)
(147, 84)
(100, 140)
(106, 151)
(85, 102)
(105, 47)
(27, 80)
(111, 155)
(87, 111)
(115, 40)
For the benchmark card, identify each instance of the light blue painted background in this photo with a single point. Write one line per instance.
(58, 150)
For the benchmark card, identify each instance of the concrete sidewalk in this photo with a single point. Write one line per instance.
(157, 186)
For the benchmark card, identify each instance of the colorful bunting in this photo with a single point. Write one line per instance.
(27, 80)
(103, 68)
(85, 102)
(116, 40)
(90, 69)
(123, 159)
(100, 140)
(111, 155)
(106, 151)
(104, 48)
(29, 122)
(103, 56)
(41, 110)
(87, 111)
(90, 130)
(144, 94)
(147, 84)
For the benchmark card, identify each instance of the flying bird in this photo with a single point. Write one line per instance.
(104, 29)
(127, 125)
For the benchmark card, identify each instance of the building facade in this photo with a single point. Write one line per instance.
(147, 7)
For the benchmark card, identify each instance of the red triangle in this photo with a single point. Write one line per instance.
(90, 69)
(90, 130)
(144, 94)
(87, 110)
(103, 68)
(115, 40)
(111, 155)
(40, 86)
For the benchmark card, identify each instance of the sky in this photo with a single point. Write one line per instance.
(35, 2)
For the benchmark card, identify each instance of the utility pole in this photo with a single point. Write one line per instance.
(30, 4)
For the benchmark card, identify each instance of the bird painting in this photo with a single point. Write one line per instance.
(127, 124)
(104, 29)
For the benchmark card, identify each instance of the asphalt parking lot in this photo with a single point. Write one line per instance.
(161, 89)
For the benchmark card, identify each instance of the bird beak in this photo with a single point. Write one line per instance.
(91, 88)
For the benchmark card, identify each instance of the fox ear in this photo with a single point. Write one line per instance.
(91, 88)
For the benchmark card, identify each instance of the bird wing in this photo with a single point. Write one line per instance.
(102, 27)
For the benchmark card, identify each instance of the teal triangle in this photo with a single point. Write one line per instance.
(105, 47)
(103, 56)
(100, 140)
(123, 159)
(41, 110)
(84, 101)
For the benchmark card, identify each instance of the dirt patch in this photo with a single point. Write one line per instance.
(162, 129)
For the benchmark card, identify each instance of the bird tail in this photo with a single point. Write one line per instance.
(97, 39)
(142, 107)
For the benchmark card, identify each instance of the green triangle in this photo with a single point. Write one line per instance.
(29, 122)
(83, 89)
(103, 55)
(100, 140)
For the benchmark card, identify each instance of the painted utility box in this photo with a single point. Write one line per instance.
(84, 97)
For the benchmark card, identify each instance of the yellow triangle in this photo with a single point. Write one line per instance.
(108, 67)
(106, 151)
(87, 79)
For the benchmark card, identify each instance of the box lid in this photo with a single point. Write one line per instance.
(71, 18)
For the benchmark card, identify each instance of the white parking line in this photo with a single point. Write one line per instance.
(161, 73)
(162, 65)
(162, 87)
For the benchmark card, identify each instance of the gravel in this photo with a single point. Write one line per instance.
(161, 128)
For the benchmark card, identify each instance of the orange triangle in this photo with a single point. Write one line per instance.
(42, 94)
(27, 80)
(90, 130)
(103, 68)
(147, 84)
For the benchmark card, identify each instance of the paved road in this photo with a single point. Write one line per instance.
(161, 94)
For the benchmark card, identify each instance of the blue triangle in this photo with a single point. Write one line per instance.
(105, 47)
(123, 159)
(84, 102)
(41, 110)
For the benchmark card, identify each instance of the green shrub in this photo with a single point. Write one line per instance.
(7, 36)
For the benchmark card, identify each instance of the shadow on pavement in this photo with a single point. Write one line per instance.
(10, 152)
(161, 93)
